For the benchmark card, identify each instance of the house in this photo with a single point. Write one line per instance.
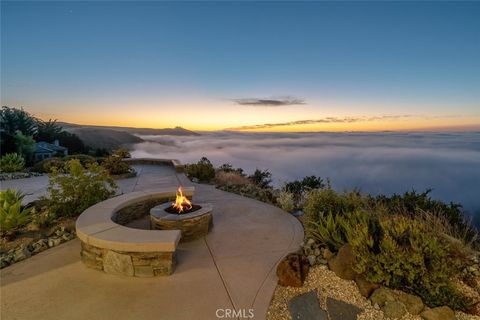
(45, 150)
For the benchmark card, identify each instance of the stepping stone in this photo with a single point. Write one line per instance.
(339, 310)
(306, 307)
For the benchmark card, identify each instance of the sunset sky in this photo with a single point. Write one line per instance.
(265, 66)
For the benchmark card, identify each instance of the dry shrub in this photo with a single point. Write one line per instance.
(223, 178)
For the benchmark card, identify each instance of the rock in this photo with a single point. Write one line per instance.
(440, 313)
(394, 309)
(327, 254)
(321, 261)
(118, 264)
(292, 270)
(306, 306)
(53, 242)
(381, 296)
(311, 260)
(413, 303)
(342, 263)
(143, 271)
(310, 242)
(339, 310)
(316, 252)
(21, 253)
(364, 286)
(40, 245)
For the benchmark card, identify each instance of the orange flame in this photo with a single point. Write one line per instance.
(181, 202)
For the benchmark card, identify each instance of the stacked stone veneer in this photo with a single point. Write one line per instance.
(138, 264)
(191, 228)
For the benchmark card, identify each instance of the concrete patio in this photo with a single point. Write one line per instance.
(232, 268)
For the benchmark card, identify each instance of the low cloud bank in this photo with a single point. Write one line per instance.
(374, 162)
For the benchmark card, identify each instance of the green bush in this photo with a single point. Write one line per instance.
(261, 178)
(79, 188)
(203, 170)
(326, 201)
(115, 165)
(413, 203)
(12, 215)
(122, 153)
(84, 158)
(333, 230)
(408, 257)
(12, 162)
(47, 165)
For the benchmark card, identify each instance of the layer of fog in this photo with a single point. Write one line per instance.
(374, 162)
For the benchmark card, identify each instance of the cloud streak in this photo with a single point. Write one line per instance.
(320, 121)
(256, 102)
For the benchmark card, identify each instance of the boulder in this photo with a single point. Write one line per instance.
(394, 309)
(381, 296)
(306, 306)
(440, 313)
(413, 303)
(339, 310)
(364, 286)
(292, 270)
(342, 263)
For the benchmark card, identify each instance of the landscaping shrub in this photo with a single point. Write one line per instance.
(203, 170)
(12, 215)
(47, 165)
(326, 201)
(407, 256)
(122, 153)
(261, 178)
(227, 167)
(230, 178)
(413, 204)
(79, 188)
(115, 165)
(286, 201)
(84, 158)
(334, 230)
(12, 162)
(250, 190)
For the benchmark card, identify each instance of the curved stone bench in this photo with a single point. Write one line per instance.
(110, 246)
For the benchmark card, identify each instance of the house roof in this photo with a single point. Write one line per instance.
(45, 147)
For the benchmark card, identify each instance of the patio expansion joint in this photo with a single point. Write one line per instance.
(220, 274)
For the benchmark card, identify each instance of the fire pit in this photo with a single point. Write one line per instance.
(193, 220)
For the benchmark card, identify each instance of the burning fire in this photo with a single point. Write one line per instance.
(181, 202)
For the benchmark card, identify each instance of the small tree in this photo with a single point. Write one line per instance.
(78, 189)
(261, 178)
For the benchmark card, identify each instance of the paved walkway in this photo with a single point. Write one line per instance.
(232, 268)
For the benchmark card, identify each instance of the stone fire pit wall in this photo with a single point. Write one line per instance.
(138, 264)
(110, 246)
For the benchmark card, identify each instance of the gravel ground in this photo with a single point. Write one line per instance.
(328, 284)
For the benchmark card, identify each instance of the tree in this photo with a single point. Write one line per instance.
(48, 130)
(13, 120)
(25, 145)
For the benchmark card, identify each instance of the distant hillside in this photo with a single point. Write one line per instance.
(114, 137)
(104, 138)
(177, 131)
